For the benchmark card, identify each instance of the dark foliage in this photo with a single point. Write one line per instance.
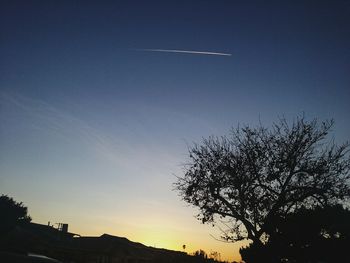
(12, 214)
(311, 235)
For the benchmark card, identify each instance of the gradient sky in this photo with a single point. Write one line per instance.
(93, 130)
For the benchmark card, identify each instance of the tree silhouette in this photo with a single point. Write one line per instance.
(12, 214)
(256, 176)
(201, 254)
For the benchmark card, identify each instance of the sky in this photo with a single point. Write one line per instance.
(96, 113)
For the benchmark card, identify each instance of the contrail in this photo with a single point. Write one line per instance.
(185, 51)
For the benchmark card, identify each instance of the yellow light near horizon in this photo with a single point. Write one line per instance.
(175, 241)
(165, 232)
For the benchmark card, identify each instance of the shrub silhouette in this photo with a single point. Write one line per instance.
(12, 214)
(311, 235)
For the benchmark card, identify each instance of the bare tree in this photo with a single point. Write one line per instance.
(257, 175)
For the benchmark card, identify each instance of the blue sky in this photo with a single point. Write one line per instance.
(93, 131)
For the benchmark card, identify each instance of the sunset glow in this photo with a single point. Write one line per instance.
(99, 101)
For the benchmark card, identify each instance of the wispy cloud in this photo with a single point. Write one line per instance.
(115, 146)
(47, 117)
(195, 52)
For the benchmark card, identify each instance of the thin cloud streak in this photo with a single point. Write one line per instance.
(185, 51)
(117, 149)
